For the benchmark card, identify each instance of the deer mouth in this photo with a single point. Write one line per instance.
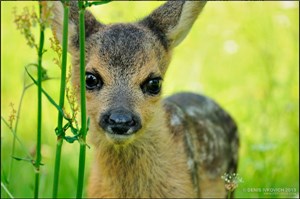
(119, 138)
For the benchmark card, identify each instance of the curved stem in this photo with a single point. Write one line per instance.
(17, 139)
(14, 138)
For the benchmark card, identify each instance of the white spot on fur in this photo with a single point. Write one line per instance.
(175, 120)
(190, 163)
(193, 111)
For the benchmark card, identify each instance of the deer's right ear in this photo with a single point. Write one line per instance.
(91, 24)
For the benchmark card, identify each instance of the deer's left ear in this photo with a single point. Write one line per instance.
(173, 20)
(91, 24)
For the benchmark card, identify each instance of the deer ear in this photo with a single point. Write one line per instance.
(173, 20)
(91, 24)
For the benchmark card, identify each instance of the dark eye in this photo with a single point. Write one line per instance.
(152, 86)
(92, 81)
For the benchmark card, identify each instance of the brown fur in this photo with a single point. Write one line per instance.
(184, 143)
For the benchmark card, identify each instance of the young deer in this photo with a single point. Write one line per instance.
(145, 146)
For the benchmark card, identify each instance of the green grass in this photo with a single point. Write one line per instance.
(242, 54)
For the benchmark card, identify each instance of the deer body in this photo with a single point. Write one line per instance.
(145, 146)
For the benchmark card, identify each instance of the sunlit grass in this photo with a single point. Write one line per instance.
(242, 54)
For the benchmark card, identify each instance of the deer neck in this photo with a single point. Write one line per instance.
(152, 166)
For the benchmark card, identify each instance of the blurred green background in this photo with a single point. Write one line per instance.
(242, 54)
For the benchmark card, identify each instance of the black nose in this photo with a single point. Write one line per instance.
(120, 121)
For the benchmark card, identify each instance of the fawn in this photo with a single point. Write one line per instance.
(144, 146)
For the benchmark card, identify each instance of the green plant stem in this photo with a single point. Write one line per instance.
(39, 124)
(89, 4)
(14, 131)
(57, 166)
(47, 95)
(61, 100)
(83, 129)
(229, 195)
(81, 171)
(17, 139)
(14, 138)
(6, 190)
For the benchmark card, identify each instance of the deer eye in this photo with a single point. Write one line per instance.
(92, 81)
(152, 86)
